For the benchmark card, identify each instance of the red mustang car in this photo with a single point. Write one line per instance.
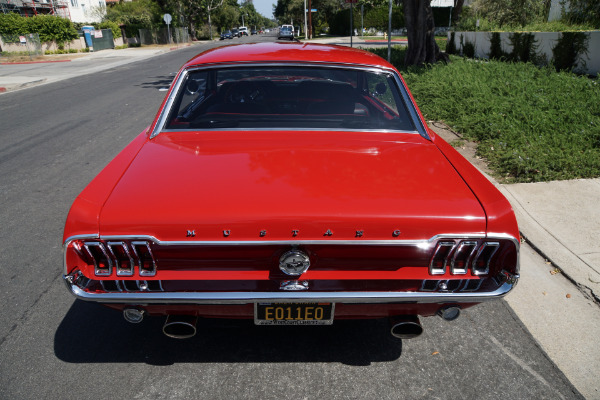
(290, 184)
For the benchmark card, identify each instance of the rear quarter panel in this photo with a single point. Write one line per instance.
(499, 213)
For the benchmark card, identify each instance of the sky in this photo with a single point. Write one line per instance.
(264, 7)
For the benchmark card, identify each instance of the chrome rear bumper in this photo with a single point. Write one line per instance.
(506, 282)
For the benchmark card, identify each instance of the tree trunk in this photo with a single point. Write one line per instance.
(457, 10)
(422, 48)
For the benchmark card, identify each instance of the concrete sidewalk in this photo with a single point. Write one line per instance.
(23, 75)
(561, 220)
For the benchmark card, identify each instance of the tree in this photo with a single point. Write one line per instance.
(583, 11)
(422, 48)
(290, 11)
(457, 10)
(227, 16)
(211, 5)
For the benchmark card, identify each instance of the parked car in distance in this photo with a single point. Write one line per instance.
(253, 31)
(289, 184)
(286, 32)
(289, 26)
(243, 30)
(226, 35)
(235, 32)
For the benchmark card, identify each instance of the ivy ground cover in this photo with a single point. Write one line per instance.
(531, 124)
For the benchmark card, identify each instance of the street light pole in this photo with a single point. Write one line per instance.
(305, 30)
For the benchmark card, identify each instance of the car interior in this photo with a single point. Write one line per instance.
(281, 98)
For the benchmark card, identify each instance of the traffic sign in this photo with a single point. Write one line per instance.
(167, 18)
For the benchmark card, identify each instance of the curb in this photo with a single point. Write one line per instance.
(34, 62)
(176, 48)
(385, 41)
(552, 249)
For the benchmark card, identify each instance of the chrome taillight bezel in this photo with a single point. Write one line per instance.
(99, 270)
(126, 258)
(478, 271)
(463, 256)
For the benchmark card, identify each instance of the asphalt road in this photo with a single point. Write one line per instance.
(53, 140)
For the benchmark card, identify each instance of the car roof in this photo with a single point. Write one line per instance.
(288, 52)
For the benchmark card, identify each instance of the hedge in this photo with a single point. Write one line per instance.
(48, 27)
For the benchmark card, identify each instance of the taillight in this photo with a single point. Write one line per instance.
(463, 254)
(468, 255)
(481, 264)
(100, 258)
(144, 256)
(440, 258)
(122, 256)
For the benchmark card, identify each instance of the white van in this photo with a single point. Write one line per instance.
(291, 27)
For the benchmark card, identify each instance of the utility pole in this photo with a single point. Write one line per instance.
(310, 32)
(351, 22)
(390, 33)
(305, 28)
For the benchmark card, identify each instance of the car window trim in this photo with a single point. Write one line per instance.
(409, 103)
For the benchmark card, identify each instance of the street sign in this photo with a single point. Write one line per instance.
(168, 19)
(312, 10)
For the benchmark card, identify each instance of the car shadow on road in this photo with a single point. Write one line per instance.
(90, 333)
(157, 82)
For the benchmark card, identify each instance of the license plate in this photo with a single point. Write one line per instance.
(293, 313)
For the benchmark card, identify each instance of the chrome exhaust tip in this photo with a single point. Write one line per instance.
(449, 313)
(133, 315)
(180, 326)
(406, 327)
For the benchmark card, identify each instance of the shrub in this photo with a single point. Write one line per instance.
(568, 48)
(451, 46)
(523, 47)
(469, 50)
(48, 27)
(113, 26)
(12, 24)
(377, 17)
(496, 52)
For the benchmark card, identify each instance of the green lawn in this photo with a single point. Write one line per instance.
(531, 124)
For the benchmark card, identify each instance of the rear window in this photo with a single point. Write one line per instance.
(289, 97)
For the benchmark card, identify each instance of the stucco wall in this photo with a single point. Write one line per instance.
(545, 41)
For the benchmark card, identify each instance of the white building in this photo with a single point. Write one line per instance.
(86, 10)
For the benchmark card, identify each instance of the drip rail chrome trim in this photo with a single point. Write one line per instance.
(508, 282)
(176, 86)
